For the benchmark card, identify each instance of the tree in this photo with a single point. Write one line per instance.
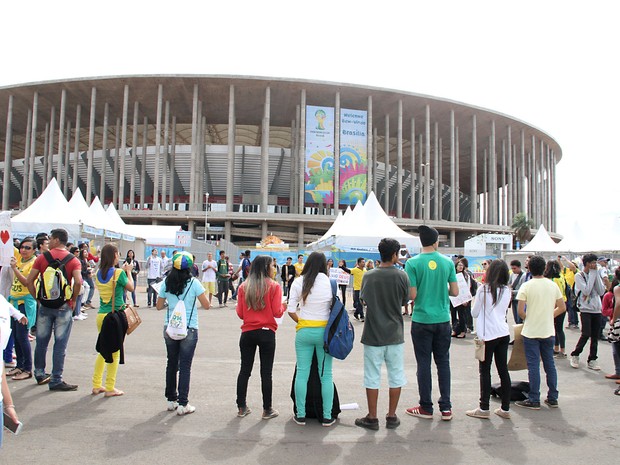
(521, 226)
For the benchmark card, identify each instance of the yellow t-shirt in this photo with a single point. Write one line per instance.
(18, 289)
(540, 295)
(358, 275)
(299, 267)
(569, 276)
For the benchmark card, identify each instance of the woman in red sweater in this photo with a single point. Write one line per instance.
(259, 303)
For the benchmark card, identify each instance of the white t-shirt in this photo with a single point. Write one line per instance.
(154, 268)
(208, 276)
(318, 303)
(491, 319)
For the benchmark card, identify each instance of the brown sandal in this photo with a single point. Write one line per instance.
(22, 375)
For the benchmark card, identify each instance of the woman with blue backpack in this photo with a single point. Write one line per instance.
(312, 291)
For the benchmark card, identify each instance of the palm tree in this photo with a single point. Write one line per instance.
(521, 226)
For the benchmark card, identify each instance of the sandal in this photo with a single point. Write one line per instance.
(22, 375)
(114, 393)
(14, 371)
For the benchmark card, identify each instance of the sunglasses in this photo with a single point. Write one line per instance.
(485, 264)
(25, 247)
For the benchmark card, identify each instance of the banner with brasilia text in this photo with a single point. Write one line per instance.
(353, 156)
(319, 161)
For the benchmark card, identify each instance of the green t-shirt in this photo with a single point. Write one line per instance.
(222, 270)
(430, 274)
(104, 285)
(385, 291)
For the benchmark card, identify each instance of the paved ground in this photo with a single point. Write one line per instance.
(77, 428)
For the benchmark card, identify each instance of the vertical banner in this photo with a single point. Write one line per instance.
(319, 169)
(6, 239)
(353, 156)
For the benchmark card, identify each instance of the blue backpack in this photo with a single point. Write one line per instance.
(339, 333)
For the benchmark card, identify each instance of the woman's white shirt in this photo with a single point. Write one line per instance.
(318, 303)
(491, 319)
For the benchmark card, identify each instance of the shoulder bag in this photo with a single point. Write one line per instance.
(479, 352)
(131, 314)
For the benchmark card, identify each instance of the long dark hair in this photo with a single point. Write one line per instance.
(108, 255)
(257, 283)
(552, 269)
(315, 264)
(177, 280)
(132, 258)
(497, 279)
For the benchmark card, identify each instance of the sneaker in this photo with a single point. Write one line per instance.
(502, 413)
(41, 380)
(528, 404)
(185, 409)
(172, 405)
(552, 403)
(419, 412)
(357, 317)
(479, 413)
(368, 423)
(269, 414)
(592, 365)
(392, 422)
(328, 422)
(299, 420)
(62, 386)
(446, 415)
(243, 412)
(574, 361)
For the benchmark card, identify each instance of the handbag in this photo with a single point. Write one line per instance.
(131, 314)
(479, 351)
(614, 331)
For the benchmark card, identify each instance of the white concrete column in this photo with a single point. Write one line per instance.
(76, 150)
(473, 193)
(457, 186)
(510, 181)
(414, 179)
(421, 176)
(117, 149)
(88, 195)
(436, 176)
(372, 160)
(46, 135)
(485, 184)
(399, 161)
(264, 152)
(65, 175)
(427, 166)
(61, 137)
(504, 218)
(453, 196)
(134, 155)
(375, 157)
(173, 155)
(24, 200)
(8, 156)
(164, 177)
(386, 150)
(33, 147)
(160, 98)
(123, 151)
(230, 165)
(145, 131)
(50, 148)
(522, 208)
(493, 190)
(104, 151)
(302, 154)
(194, 156)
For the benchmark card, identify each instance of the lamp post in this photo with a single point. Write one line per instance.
(206, 218)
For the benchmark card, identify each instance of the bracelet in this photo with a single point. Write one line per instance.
(9, 406)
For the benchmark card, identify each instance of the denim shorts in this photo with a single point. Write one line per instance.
(393, 356)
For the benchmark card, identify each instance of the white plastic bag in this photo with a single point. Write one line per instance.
(177, 323)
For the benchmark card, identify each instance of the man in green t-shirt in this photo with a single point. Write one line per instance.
(384, 290)
(432, 279)
(223, 276)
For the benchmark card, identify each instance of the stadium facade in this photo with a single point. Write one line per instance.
(254, 155)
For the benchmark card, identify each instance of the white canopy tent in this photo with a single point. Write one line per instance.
(153, 234)
(50, 210)
(362, 228)
(541, 242)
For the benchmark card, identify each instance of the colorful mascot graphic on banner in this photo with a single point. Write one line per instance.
(319, 169)
(353, 156)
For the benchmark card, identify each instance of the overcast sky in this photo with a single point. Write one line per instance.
(553, 64)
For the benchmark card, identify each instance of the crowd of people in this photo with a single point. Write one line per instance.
(540, 294)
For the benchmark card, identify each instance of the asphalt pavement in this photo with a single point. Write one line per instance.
(78, 428)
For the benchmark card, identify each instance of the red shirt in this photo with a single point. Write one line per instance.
(263, 318)
(40, 264)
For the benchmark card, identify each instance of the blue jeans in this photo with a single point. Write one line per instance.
(59, 320)
(22, 344)
(180, 356)
(615, 351)
(91, 290)
(357, 304)
(535, 350)
(150, 292)
(432, 339)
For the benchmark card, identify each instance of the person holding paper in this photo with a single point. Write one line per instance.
(459, 306)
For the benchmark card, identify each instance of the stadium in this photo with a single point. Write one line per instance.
(252, 156)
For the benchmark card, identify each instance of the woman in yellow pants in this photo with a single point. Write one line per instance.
(111, 283)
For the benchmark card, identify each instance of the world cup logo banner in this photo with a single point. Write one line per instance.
(320, 163)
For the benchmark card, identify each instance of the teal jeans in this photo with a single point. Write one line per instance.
(308, 340)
